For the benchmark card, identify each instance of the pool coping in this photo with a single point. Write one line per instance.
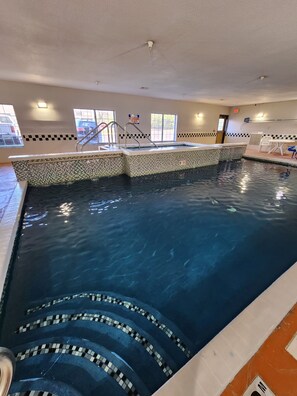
(210, 371)
(277, 161)
(8, 229)
(53, 156)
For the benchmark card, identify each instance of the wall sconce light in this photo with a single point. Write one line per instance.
(260, 115)
(42, 105)
(199, 115)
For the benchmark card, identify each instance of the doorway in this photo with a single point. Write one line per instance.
(222, 127)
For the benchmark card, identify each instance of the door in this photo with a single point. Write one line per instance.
(222, 127)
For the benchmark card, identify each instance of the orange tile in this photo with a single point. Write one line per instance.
(272, 363)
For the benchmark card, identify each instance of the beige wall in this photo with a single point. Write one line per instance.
(279, 118)
(58, 118)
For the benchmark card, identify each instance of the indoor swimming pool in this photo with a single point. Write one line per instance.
(117, 282)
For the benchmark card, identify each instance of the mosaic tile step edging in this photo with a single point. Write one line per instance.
(69, 167)
(99, 297)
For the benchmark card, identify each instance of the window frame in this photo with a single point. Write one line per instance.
(162, 129)
(100, 136)
(16, 127)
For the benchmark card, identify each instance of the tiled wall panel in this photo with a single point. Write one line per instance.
(68, 168)
(231, 153)
(139, 165)
(51, 171)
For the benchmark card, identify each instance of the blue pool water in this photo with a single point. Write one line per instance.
(141, 273)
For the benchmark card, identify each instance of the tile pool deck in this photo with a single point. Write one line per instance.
(8, 183)
(12, 195)
(276, 366)
(276, 158)
(227, 355)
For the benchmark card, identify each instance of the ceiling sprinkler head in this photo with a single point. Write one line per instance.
(150, 44)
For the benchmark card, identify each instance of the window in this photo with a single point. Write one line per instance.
(163, 127)
(10, 134)
(86, 120)
(222, 123)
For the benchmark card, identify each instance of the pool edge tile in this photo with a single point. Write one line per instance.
(193, 369)
(8, 228)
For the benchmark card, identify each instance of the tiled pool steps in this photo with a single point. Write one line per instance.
(95, 343)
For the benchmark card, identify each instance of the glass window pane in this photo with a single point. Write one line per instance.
(156, 127)
(84, 121)
(105, 116)
(163, 127)
(169, 127)
(10, 134)
(221, 124)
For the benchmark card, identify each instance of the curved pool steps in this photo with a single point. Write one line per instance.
(131, 343)
(119, 313)
(128, 305)
(87, 367)
(42, 387)
(129, 333)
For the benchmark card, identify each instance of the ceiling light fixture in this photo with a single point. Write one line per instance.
(42, 105)
(262, 77)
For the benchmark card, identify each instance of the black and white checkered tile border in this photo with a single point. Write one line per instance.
(133, 135)
(132, 307)
(195, 134)
(86, 353)
(231, 134)
(63, 318)
(32, 393)
(48, 137)
(273, 136)
(289, 137)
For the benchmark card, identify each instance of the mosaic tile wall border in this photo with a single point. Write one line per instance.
(272, 135)
(196, 134)
(53, 170)
(48, 137)
(140, 165)
(232, 153)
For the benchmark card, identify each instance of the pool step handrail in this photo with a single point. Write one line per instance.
(139, 130)
(96, 134)
(90, 133)
(112, 124)
(7, 367)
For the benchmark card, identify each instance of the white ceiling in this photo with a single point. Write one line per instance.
(205, 50)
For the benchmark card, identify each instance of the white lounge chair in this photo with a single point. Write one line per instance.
(265, 142)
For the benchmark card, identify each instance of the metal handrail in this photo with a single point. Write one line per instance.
(143, 134)
(89, 133)
(114, 123)
(7, 367)
(97, 133)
